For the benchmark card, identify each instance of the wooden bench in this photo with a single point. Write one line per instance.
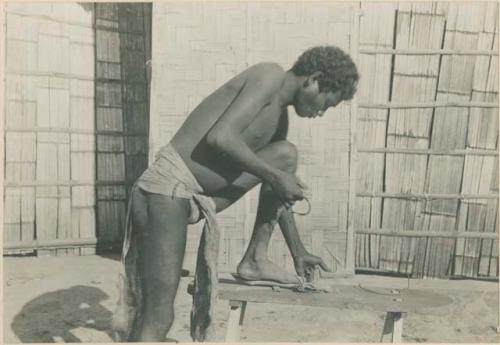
(396, 304)
(393, 325)
(341, 297)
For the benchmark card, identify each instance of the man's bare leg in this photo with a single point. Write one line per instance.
(161, 224)
(255, 264)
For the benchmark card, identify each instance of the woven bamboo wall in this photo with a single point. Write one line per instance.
(374, 87)
(76, 122)
(122, 106)
(49, 124)
(199, 46)
(417, 78)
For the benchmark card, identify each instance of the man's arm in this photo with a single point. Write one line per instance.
(301, 258)
(258, 90)
(286, 219)
(304, 261)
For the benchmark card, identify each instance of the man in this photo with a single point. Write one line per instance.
(234, 140)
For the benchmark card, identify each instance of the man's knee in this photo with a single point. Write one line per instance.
(287, 155)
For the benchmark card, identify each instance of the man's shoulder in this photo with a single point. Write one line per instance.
(267, 70)
(272, 67)
(266, 76)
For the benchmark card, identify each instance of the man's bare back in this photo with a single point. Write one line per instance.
(212, 170)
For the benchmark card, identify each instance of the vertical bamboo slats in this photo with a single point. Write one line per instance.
(414, 77)
(72, 72)
(109, 117)
(449, 128)
(376, 32)
(121, 110)
(477, 257)
(49, 85)
(424, 78)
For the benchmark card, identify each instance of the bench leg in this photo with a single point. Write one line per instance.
(235, 320)
(397, 332)
(393, 326)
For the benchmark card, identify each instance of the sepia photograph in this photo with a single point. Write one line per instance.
(250, 171)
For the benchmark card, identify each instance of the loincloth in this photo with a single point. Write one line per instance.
(170, 176)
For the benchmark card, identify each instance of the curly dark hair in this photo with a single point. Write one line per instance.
(339, 71)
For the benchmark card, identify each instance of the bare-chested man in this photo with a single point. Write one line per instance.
(234, 140)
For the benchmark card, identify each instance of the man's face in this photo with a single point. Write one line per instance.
(310, 102)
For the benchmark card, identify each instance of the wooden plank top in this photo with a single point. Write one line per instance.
(341, 296)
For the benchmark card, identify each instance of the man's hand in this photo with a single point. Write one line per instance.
(306, 263)
(289, 188)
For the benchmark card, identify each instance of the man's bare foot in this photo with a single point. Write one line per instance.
(264, 270)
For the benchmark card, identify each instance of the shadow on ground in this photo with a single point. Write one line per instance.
(54, 315)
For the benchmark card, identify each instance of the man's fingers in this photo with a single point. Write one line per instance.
(301, 271)
(299, 197)
(309, 268)
(301, 183)
(309, 274)
(324, 266)
(288, 203)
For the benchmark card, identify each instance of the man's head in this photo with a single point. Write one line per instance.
(330, 77)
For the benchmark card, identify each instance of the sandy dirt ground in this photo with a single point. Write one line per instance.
(71, 299)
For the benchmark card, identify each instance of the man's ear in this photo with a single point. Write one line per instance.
(316, 75)
(313, 78)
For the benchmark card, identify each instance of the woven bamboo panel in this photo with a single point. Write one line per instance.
(111, 199)
(199, 46)
(121, 110)
(49, 92)
(420, 78)
(475, 257)
(74, 70)
(449, 131)
(414, 77)
(376, 31)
